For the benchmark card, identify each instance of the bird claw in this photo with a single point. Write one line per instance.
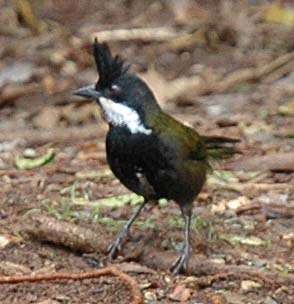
(114, 248)
(181, 264)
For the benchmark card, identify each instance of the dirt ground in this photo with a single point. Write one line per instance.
(225, 68)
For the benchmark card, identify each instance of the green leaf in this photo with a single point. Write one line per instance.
(118, 201)
(244, 240)
(24, 163)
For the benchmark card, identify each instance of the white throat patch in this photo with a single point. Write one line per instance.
(120, 115)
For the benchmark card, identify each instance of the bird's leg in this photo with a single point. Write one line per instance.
(181, 263)
(116, 245)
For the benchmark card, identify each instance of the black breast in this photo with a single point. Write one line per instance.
(137, 159)
(134, 160)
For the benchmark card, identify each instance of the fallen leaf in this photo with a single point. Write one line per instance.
(135, 268)
(76, 116)
(48, 301)
(150, 297)
(287, 109)
(256, 128)
(219, 208)
(7, 146)
(113, 201)
(49, 84)
(248, 285)
(289, 236)
(18, 72)
(180, 294)
(4, 241)
(219, 177)
(250, 240)
(272, 162)
(24, 163)
(97, 175)
(238, 202)
(51, 268)
(166, 90)
(117, 201)
(270, 300)
(217, 299)
(276, 12)
(48, 118)
(29, 18)
(187, 10)
(9, 268)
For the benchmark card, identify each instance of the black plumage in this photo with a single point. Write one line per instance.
(109, 68)
(150, 152)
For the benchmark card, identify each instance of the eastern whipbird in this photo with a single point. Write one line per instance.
(150, 152)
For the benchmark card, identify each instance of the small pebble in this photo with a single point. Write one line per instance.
(30, 153)
(167, 279)
(238, 202)
(248, 286)
(150, 296)
(218, 261)
(4, 241)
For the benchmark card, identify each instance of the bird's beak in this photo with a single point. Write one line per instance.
(88, 92)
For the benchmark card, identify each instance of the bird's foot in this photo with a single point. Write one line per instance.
(181, 263)
(114, 248)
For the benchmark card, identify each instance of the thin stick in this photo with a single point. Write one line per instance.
(129, 281)
(250, 74)
(43, 136)
(145, 34)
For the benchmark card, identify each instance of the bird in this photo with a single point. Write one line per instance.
(149, 151)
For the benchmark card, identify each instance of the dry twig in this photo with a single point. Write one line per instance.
(252, 74)
(77, 238)
(128, 281)
(14, 91)
(273, 162)
(269, 210)
(202, 85)
(145, 34)
(250, 186)
(43, 136)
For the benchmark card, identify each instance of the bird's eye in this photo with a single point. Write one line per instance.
(115, 89)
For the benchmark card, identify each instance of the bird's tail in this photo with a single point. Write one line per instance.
(220, 147)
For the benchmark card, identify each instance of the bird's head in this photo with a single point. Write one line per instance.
(116, 86)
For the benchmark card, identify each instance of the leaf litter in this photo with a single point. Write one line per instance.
(220, 74)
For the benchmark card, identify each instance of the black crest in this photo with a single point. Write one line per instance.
(108, 67)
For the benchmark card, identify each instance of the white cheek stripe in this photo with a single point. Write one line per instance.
(120, 115)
